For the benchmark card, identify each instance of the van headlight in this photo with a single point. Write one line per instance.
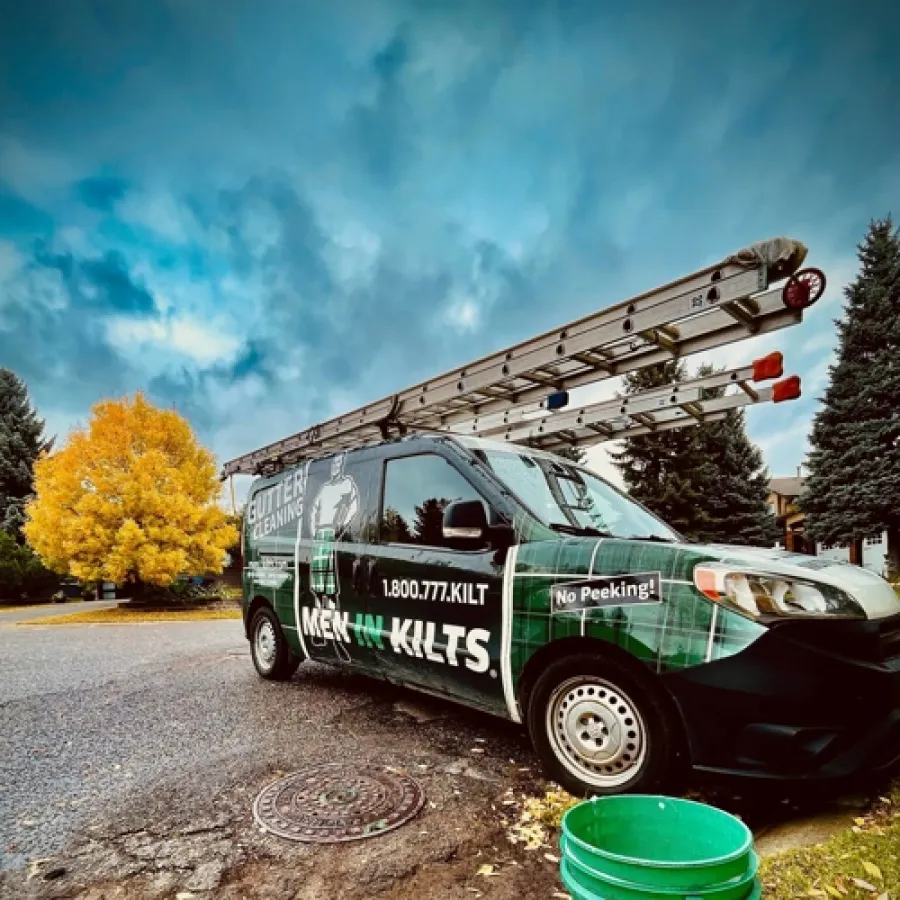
(762, 595)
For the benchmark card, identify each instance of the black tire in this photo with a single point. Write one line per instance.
(265, 631)
(638, 746)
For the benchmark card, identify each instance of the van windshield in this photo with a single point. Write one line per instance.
(565, 496)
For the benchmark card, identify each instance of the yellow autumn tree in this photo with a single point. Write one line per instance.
(131, 498)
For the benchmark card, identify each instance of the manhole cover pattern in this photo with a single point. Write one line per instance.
(330, 803)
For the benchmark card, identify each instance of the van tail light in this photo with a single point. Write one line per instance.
(787, 389)
(771, 366)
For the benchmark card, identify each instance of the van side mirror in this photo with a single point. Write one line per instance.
(466, 520)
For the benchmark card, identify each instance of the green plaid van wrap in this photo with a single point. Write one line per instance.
(684, 630)
(322, 577)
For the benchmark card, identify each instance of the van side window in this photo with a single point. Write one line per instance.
(416, 491)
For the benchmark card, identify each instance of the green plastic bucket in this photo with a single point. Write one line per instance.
(649, 846)
(580, 892)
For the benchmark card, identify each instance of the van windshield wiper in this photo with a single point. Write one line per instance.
(581, 530)
(656, 538)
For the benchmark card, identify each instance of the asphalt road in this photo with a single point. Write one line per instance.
(91, 714)
(130, 756)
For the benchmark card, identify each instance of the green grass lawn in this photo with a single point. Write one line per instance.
(863, 861)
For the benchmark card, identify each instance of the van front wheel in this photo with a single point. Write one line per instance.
(270, 651)
(599, 729)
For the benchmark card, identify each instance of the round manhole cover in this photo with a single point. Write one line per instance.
(330, 803)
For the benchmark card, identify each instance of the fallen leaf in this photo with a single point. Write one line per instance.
(551, 858)
(815, 892)
(860, 821)
(487, 870)
(864, 885)
(873, 870)
(833, 891)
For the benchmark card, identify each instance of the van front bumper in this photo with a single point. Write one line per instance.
(807, 701)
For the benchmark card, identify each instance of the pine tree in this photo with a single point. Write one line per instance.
(657, 468)
(733, 480)
(853, 489)
(21, 442)
(707, 481)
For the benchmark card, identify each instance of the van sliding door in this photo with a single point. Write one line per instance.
(436, 607)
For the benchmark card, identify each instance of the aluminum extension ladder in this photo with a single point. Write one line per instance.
(521, 394)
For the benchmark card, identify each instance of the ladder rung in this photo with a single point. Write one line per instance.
(736, 311)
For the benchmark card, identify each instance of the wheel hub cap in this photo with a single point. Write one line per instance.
(265, 644)
(597, 731)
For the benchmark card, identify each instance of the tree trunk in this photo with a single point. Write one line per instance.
(136, 587)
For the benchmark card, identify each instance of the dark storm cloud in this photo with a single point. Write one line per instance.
(100, 285)
(53, 331)
(101, 193)
(359, 195)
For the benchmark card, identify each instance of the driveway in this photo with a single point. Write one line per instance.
(130, 756)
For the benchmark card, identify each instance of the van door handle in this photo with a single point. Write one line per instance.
(357, 576)
(372, 577)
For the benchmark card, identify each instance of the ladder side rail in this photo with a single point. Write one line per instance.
(615, 421)
(592, 439)
(654, 398)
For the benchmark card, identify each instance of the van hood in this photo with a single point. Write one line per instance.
(872, 592)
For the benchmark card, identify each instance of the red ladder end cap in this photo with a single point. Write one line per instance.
(788, 389)
(771, 366)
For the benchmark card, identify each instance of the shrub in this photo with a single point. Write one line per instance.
(21, 572)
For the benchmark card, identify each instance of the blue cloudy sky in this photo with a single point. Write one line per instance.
(266, 213)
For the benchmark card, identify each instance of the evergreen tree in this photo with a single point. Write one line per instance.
(733, 480)
(21, 441)
(429, 524)
(707, 481)
(853, 489)
(658, 469)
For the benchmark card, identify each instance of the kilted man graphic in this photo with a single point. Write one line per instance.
(334, 509)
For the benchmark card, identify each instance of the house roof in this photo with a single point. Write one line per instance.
(787, 487)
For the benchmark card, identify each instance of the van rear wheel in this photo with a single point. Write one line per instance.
(599, 729)
(270, 651)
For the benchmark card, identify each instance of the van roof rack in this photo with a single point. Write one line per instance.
(709, 308)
